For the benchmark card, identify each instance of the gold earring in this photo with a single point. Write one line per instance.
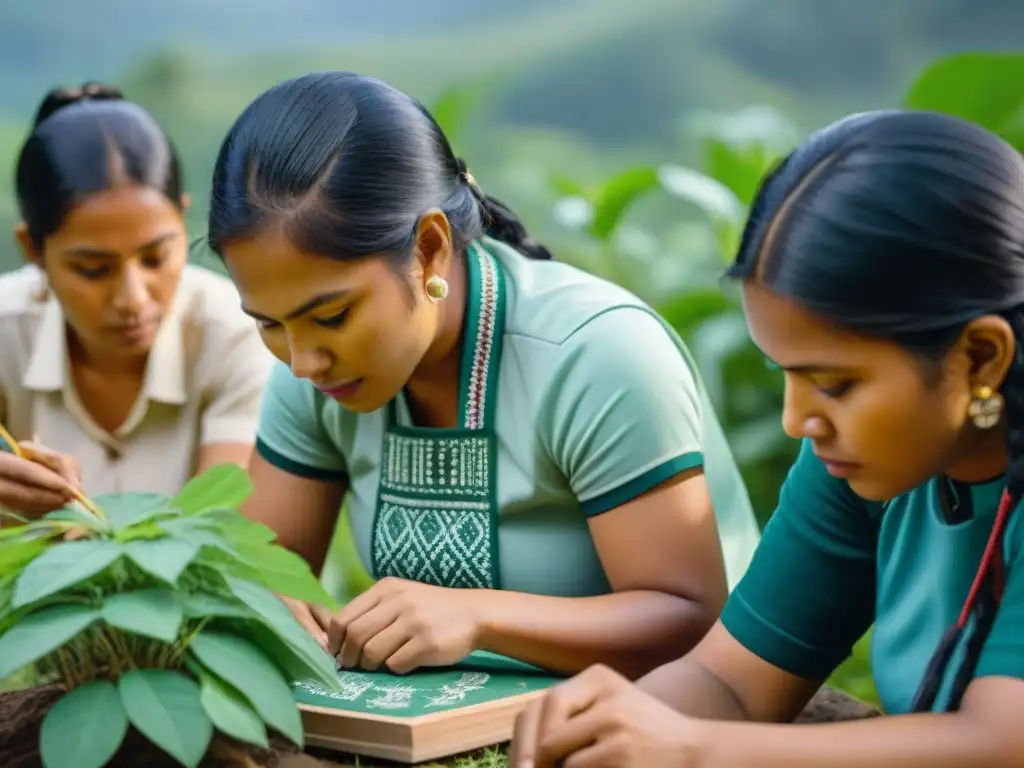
(986, 408)
(437, 288)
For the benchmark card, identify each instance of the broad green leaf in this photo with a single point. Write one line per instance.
(567, 187)
(167, 709)
(294, 664)
(238, 527)
(15, 555)
(713, 197)
(41, 632)
(33, 529)
(242, 665)
(131, 508)
(198, 605)
(225, 485)
(75, 515)
(63, 565)
(85, 728)
(277, 618)
(285, 572)
(164, 558)
(230, 711)
(740, 167)
(982, 87)
(155, 613)
(198, 530)
(617, 194)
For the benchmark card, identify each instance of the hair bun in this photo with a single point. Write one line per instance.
(59, 98)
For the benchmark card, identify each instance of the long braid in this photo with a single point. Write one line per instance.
(983, 602)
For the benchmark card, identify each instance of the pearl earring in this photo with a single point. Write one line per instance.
(437, 288)
(986, 408)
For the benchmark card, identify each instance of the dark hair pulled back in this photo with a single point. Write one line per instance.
(348, 164)
(86, 140)
(904, 226)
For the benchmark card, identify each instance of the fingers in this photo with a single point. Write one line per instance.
(386, 646)
(360, 632)
(321, 615)
(302, 613)
(339, 624)
(577, 735)
(61, 463)
(27, 472)
(31, 501)
(525, 735)
(544, 741)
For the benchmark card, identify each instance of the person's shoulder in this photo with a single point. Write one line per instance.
(23, 291)
(550, 302)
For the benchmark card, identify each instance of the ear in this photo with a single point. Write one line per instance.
(433, 255)
(986, 347)
(185, 201)
(28, 248)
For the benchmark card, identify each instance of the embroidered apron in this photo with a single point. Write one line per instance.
(436, 519)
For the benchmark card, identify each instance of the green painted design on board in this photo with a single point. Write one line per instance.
(482, 677)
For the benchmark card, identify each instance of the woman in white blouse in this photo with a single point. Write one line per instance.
(133, 368)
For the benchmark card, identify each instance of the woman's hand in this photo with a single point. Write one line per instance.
(315, 619)
(599, 719)
(403, 625)
(42, 481)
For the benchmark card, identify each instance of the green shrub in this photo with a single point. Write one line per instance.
(160, 614)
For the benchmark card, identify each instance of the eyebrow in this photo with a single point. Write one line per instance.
(86, 251)
(309, 306)
(808, 368)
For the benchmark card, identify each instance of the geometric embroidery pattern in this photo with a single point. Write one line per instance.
(434, 517)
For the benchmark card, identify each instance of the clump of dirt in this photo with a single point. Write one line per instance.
(21, 717)
(832, 706)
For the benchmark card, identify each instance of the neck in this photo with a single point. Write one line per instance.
(106, 362)
(436, 379)
(983, 459)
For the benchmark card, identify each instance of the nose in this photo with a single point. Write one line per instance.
(132, 293)
(800, 419)
(307, 361)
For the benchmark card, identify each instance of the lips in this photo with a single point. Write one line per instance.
(342, 390)
(838, 468)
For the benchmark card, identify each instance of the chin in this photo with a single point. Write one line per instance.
(877, 491)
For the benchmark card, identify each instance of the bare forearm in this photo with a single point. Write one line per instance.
(690, 689)
(629, 631)
(906, 741)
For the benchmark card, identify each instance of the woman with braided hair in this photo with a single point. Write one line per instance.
(132, 369)
(882, 270)
(531, 465)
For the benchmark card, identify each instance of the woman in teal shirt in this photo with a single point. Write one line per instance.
(883, 271)
(530, 461)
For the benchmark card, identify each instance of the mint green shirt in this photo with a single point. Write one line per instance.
(830, 564)
(598, 401)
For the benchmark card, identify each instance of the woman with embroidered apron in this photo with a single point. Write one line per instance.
(882, 270)
(132, 369)
(530, 462)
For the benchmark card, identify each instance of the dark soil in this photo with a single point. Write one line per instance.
(21, 717)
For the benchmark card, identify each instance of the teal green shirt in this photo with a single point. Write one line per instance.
(598, 401)
(830, 564)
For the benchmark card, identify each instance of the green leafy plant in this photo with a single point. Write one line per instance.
(160, 614)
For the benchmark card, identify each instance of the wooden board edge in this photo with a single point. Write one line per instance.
(415, 739)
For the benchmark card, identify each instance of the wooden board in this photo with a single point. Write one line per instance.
(429, 714)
